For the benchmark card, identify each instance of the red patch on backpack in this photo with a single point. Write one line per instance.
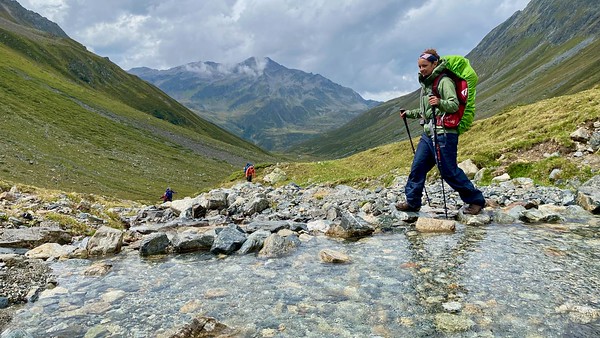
(462, 92)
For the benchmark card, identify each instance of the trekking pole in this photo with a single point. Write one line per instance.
(438, 155)
(413, 149)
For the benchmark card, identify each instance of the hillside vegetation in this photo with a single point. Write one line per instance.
(74, 121)
(513, 141)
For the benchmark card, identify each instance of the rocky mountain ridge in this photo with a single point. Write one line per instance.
(12, 11)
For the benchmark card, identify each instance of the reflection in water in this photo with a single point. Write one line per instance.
(492, 281)
(437, 259)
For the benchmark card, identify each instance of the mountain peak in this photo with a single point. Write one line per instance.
(257, 98)
(253, 66)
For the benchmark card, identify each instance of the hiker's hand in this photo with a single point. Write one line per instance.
(434, 100)
(403, 113)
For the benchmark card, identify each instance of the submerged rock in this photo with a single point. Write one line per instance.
(452, 323)
(332, 256)
(205, 327)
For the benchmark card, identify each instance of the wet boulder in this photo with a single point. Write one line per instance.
(278, 246)
(155, 244)
(271, 226)
(480, 219)
(192, 240)
(228, 240)
(254, 242)
(98, 269)
(320, 225)
(204, 327)
(51, 250)
(588, 195)
(540, 215)
(332, 256)
(350, 227)
(105, 241)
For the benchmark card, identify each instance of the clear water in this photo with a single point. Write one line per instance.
(493, 281)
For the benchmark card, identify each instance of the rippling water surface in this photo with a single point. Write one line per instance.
(493, 281)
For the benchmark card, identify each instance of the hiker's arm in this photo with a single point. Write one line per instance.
(448, 99)
(410, 113)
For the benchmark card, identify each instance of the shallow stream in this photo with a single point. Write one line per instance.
(493, 281)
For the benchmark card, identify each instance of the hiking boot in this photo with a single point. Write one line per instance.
(403, 206)
(472, 209)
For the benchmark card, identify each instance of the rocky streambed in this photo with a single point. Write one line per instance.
(321, 261)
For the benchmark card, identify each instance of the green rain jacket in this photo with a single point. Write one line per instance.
(448, 100)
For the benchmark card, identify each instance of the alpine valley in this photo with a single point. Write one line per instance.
(260, 100)
(75, 121)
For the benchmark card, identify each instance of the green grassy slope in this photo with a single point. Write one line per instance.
(76, 122)
(546, 72)
(71, 60)
(501, 142)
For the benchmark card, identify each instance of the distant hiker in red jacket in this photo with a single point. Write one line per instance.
(249, 171)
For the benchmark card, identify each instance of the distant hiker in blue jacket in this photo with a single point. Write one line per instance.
(168, 195)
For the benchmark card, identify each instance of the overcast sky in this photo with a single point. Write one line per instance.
(370, 46)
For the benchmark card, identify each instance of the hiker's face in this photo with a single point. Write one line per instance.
(426, 67)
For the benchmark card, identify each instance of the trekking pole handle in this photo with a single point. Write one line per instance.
(432, 96)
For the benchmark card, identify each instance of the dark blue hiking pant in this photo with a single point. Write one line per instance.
(425, 160)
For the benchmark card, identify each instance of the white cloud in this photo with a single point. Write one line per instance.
(384, 96)
(54, 10)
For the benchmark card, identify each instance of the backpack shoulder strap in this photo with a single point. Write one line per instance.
(436, 83)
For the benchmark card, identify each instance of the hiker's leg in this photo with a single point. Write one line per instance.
(422, 163)
(453, 175)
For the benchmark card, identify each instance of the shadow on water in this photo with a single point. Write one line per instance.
(493, 281)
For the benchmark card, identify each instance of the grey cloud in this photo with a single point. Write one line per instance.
(369, 46)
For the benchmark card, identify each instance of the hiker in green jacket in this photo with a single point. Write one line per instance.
(444, 153)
